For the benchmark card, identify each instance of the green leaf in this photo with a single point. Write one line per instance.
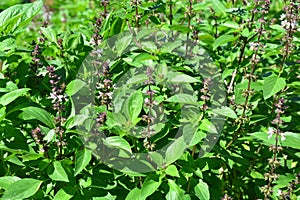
(134, 194)
(180, 28)
(256, 175)
(149, 187)
(231, 24)
(65, 193)
(225, 111)
(142, 57)
(157, 158)
(30, 156)
(168, 47)
(16, 151)
(272, 84)
(57, 172)
(197, 137)
(202, 191)
(22, 189)
(175, 192)
(182, 78)
(245, 32)
(38, 114)
(73, 41)
(256, 118)
(222, 40)
(175, 150)
(227, 72)
(107, 197)
(292, 140)
(263, 136)
(76, 120)
(150, 47)
(18, 16)
(2, 113)
(240, 87)
(135, 104)
(74, 86)
(11, 96)
(206, 38)
(6, 4)
(122, 43)
(6, 181)
(117, 142)
(155, 20)
(172, 171)
(9, 43)
(140, 78)
(189, 131)
(83, 158)
(10, 86)
(207, 126)
(50, 136)
(49, 33)
(278, 28)
(183, 98)
(14, 159)
(295, 84)
(218, 7)
(117, 26)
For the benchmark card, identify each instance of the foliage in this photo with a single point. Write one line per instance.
(53, 111)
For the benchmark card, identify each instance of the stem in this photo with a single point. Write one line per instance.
(216, 26)
(140, 181)
(241, 58)
(252, 70)
(136, 13)
(132, 33)
(60, 147)
(171, 12)
(189, 181)
(193, 153)
(273, 166)
(149, 112)
(252, 17)
(254, 64)
(171, 15)
(287, 48)
(105, 4)
(189, 13)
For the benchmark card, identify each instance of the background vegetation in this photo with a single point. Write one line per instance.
(254, 46)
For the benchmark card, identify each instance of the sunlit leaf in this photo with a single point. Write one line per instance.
(272, 85)
(202, 191)
(83, 158)
(223, 39)
(11, 96)
(18, 16)
(22, 189)
(39, 114)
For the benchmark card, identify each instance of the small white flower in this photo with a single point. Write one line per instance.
(294, 25)
(279, 193)
(252, 46)
(110, 94)
(146, 101)
(270, 132)
(282, 17)
(53, 96)
(282, 136)
(60, 98)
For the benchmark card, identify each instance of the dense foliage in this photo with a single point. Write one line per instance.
(152, 99)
